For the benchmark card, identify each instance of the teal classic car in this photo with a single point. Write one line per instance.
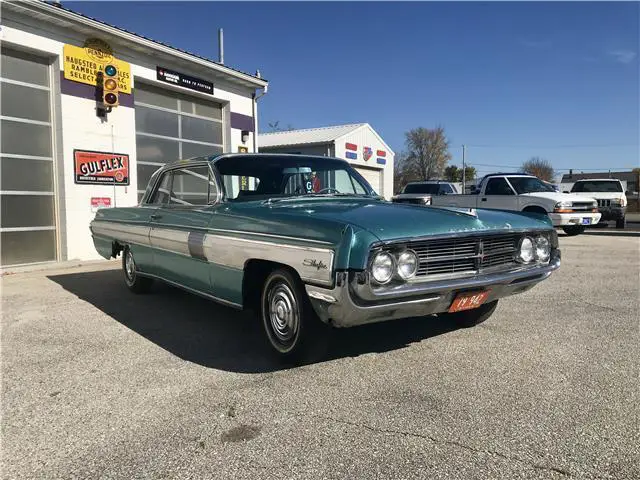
(307, 244)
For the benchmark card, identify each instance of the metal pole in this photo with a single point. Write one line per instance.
(464, 170)
(220, 46)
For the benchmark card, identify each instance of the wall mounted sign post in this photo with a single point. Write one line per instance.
(101, 168)
(183, 80)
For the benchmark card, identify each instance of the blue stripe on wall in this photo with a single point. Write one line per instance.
(351, 155)
(381, 161)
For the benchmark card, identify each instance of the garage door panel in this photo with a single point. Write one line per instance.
(374, 177)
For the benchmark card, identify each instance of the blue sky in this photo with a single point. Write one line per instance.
(509, 79)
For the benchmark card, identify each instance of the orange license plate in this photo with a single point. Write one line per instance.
(468, 301)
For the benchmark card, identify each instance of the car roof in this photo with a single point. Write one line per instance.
(597, 180)
(218, 157)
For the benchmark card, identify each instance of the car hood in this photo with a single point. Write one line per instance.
(561, 197)
(390, 221)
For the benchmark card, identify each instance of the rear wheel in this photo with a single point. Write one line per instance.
(134, 282)
(292, 328)
(572, 230)
(471, 318)
(621, 223)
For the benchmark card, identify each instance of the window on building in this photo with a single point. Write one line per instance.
(172, 126)
(27, 193)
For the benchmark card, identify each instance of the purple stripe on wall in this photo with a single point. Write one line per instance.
(82, 90)
(241, 122)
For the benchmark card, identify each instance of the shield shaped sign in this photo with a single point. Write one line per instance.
(367, 152)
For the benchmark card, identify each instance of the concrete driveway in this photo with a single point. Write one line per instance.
(100, 383)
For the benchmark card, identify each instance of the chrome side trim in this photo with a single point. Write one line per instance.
(312, 264)
(172, 240)
(122, 232)
(191, 290)
(270, 235)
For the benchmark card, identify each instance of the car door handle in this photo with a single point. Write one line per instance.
(484, 199)
(155, 217)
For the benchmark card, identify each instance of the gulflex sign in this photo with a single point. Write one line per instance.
(101, 168)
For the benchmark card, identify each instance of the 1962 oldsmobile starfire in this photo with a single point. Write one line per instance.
(306, 243)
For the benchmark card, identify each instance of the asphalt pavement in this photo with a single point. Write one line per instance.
(100, 383)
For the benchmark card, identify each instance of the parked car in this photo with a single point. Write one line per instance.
(306, 261)
(610, 195)
(526, 193)
(421, 192)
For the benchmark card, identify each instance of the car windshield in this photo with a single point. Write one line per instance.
(529, 185)
(597, 186)
(248, 177)
(421, 188)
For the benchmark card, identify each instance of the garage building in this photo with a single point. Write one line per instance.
(357, 143)
(63, 155)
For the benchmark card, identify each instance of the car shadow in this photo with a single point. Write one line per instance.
(209, 334)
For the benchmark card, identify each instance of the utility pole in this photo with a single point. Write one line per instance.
(464, 169)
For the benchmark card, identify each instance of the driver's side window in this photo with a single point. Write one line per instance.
(190, 186)
(163, 192)
(498, 186)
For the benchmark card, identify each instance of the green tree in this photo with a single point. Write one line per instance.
(539, 167)
(451, 173)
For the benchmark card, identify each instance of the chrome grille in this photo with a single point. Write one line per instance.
(582, 206)
(464, 254)
(603, 203)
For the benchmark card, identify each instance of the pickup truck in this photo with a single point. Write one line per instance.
(527, 193)
(611, 198)
(421, 192)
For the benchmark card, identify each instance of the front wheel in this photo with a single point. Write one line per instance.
(471, 318)
(572, 230)
(621, 223)
(134, 282)
(293, 330)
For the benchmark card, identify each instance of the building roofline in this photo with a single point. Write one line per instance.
(127, 36)
(374, 133)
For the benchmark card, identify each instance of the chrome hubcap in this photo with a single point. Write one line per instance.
(283, 313)
(130, 266)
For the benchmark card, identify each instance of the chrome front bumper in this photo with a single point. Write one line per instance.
(351, 303)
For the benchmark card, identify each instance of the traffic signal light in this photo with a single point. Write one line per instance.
(110, 86)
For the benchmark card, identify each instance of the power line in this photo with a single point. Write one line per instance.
(520, 167)
(602, 145)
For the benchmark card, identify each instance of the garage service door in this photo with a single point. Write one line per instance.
(27, 220)
(374, 177)
(172, 126)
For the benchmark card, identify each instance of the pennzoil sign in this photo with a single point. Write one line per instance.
(81, 64)
(95, 168)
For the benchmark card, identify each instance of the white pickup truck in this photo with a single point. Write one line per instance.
(527, 193)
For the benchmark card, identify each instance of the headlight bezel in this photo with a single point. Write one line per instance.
(415, 256)
(535, 239)
(393, 268)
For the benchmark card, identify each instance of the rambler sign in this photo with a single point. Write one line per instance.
(101, 168)
(182, 80)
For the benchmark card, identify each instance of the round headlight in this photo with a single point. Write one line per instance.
(407, 264)
(543, 248)
(382, 267)
(526, 252)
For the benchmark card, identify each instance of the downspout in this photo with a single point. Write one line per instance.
(254, 102)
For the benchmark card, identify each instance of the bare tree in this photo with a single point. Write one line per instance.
(427, 152)
(275, 127)
(401, 175)
(539, 167)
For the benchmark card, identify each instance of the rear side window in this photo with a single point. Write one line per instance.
(191, 186)
(597, 186)
(421, 188)
(498, 186)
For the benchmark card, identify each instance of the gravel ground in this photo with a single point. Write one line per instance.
(100, 383)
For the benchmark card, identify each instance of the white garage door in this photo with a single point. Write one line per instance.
(374, 177)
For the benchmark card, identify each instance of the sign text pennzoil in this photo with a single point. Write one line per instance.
(82, 64)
